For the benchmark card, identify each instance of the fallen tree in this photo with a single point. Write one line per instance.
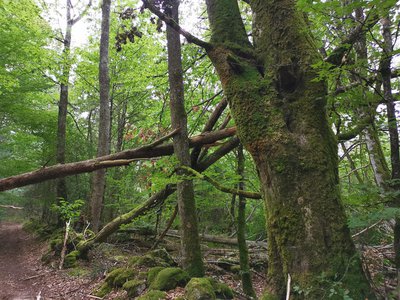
(154, 201)
(126, 157)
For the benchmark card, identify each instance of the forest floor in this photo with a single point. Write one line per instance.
(23, 275)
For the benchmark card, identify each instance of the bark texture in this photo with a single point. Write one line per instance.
(279, 110)
(103, 145)
(190, 243)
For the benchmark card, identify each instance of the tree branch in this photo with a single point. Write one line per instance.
(217, 185)
(348, 135)
(170, 22)
(118, 159)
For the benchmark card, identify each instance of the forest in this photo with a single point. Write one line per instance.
(218, 149)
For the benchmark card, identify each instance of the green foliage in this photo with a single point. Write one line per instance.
(69, 211)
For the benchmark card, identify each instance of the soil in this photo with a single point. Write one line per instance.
(24, 277)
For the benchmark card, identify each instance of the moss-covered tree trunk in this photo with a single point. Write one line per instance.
(279, 109)
(190, 242)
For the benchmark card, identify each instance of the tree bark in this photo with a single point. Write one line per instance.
(279, 108)
(103, 146)
(190, 243)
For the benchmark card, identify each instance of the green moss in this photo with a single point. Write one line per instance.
(153, 295)
(169, 278)
(70, 260)
(78, 272)
(134, 287)
(103, 290)
(199, 289)
(132, 261)
(123, 277)
(119, 276)
(152, 274)
(222, 290)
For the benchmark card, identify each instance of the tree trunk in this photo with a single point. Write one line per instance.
(103, 146)
(61, 187)
(245, 273)
(393, 131)
(281, 120)
(190, 243)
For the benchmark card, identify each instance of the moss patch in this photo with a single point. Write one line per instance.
(169, 278)
(153, 295)
(103, 290)
(152, 274)
(70, 260)
(119, 276)
(134, 287)
(199, 288)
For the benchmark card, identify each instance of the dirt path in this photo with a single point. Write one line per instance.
(23, 277)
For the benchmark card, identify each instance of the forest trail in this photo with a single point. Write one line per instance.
(17, 251)
(24, 277)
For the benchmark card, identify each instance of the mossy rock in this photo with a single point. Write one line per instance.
(152, 274)
(119, 276)
(134, 287)
(169, 278)
(153, 295)
(114, 273)
(103, 290)
(123, 277)
(148, 261)
(199, 289)
(71, 259)
(222, 290)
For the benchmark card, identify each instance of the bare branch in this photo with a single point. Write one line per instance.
(170, 22)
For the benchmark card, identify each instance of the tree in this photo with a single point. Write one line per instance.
(278, 104)
(103, 146)
(63, 102)
(190, 243)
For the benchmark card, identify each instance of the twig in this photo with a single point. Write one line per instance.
(93, 297)
(289, 280)
(366, 229)
(33, 277)
(64, 249)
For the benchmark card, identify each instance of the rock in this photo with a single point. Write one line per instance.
(199, 289)
(134, 287)
(169, 278)
(103, 290)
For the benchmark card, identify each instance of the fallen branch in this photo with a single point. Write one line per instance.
(64, 248)
(11, 206)
(112, 160)
(366, 229)
(33, 277)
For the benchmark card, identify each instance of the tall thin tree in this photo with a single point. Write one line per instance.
(192, 259)
(103, 145)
